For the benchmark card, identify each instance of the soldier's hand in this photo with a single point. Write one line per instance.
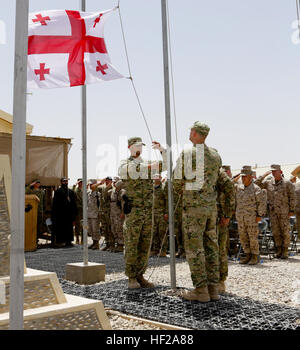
(122, 216)
(236, 179)
(267, 173)
(157, 145)
(166, 217)
(224, 221)
(258, 219)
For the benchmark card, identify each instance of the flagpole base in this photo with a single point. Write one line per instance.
(85, 274)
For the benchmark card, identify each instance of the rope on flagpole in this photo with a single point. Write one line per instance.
(298, 16)
(130, 74)
(172, 75)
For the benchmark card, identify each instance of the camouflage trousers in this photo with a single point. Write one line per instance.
(137, 236)
(159, 233)
(116, 223)
(94, 229)
(178, 228)
(201, 245)
(223, 238)
(280, 226)
(298, 222)
(78, 226)
(248, 233)
(106, 228)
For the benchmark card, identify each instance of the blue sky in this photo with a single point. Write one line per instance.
(235, 68)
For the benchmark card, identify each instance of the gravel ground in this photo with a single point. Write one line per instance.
(273, 281)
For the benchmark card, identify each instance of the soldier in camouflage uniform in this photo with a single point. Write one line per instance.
(296, 174)
(136, 175)
(93, 205)
(178, 231)
(103, 187)
(79, 217)
(116, 215)
(200, 213)
(251, 206)
(225, 205)
(282, 201)
(160, 218)
(34, 188)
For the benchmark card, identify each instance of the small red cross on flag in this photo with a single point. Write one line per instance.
(42, 71)
(41, 19)
(69, 52)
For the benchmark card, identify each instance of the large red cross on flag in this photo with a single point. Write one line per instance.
(67, 48)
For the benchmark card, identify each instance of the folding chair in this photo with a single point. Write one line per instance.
(293, 235)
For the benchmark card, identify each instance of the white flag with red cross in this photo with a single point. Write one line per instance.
(67, 48)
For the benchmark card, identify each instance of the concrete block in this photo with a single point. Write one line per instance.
(85, 274)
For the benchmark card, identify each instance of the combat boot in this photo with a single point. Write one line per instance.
(144, 283)
(162, 254)
(246, 259)
(199, 294)
(285, 253)
(213, 290)
(222, 287)
(278, 252)
(253, 260)
(119, 248)
(179, 253)
(133, 283)
(77, 240)
(92, 245)
(96, 245)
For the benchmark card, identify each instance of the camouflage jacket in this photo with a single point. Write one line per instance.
(93, 204)
(250, 200)
(281, 195)
(226, 195)
(41, 196)
(137, 178)
(297, 193)
(196, 180)
(104, 199)
(78, 199)
(160, 199)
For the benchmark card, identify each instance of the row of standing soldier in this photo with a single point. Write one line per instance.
(205, 214)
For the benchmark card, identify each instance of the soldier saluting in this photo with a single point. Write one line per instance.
(136, 173)
(281, 200)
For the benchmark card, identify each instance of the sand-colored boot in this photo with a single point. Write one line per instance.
(285, 253)
(144, 283)
(198, 294)
(96, 245)
(246, 259)
(253, 260)
(213, 290)
(133, 283)
(222, 287)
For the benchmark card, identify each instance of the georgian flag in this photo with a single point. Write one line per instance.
(67, 48)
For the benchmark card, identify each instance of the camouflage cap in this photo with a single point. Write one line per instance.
(135, 141)
(296, 171)
(201, 128)
(226, 167)
(79, 180)
(247, 167)
(36, 181)
(92, 181)
(275, 167)
(245, 172)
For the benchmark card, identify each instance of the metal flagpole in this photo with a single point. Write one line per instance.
(16, 306)
(169, 141)
(84, 165)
